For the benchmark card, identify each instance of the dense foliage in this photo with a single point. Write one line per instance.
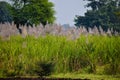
(28, 12)
(33, 12)
(102, 13)
(5, 12)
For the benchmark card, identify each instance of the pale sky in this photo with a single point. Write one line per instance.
(67, 9)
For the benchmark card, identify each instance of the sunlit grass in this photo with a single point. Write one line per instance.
(85, 76)
(87, 54)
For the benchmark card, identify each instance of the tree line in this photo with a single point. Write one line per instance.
(27, 12)
(104, 13)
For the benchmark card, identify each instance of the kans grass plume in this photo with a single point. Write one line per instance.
(7, 30)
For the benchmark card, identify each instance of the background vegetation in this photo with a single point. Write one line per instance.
(27, 12)
(5, 12)
(102, 13)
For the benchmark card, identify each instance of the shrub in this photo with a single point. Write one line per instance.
(44, 68)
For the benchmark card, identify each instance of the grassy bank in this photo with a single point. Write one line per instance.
(86, 76)
(87, 54)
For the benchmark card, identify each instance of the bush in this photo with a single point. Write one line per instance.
(44, 68)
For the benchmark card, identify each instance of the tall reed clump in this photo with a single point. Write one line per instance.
(87, 54)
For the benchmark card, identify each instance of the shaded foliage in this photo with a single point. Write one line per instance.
(44, 68)
(27, 12)
(102, 13)
(5, 12)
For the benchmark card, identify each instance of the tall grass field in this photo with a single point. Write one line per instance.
(27, 55)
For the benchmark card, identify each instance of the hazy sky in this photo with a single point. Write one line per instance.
(67, 9)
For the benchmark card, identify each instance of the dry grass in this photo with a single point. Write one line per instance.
(7, 30)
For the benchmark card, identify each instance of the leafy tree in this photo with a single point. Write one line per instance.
(118, 15)
(102, 13)
(33, 12)
(5, 12)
